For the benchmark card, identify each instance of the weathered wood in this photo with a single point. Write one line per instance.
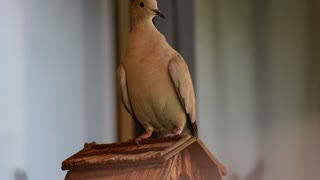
(169, 158)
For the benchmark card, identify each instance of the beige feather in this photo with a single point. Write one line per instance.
(154, 80)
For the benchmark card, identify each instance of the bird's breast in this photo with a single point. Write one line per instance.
(148, 79)
(152, 94)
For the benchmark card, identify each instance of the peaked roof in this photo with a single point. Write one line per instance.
(149, 151)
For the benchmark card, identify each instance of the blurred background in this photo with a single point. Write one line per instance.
(255, 66)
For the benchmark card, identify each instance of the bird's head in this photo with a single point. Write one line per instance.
(144, 10)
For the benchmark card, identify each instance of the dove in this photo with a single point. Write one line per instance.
(153, 79)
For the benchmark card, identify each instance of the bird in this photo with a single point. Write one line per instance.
(154, 81)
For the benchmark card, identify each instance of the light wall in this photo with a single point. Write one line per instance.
(258, 86)
(225, 82)
(57, 83)
(12, 129)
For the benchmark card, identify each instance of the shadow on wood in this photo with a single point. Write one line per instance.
(170, 158)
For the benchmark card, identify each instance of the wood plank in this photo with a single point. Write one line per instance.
(202, 154)
(211, 174)
(177, 147)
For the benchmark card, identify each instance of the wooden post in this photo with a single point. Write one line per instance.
(124, 120)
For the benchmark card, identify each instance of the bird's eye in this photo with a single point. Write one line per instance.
(142, 4)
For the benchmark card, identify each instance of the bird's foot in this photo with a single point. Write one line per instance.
(146, 135)
(176, 132)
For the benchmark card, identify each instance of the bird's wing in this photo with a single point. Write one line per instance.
(181, 79)
(122, 87)
(123, 91)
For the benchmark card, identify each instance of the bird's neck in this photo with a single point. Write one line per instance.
(144, 37)
(144, 26)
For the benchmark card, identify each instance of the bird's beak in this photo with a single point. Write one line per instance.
(158, 13)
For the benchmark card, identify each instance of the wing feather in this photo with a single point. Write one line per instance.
(122, 88)
(182, 81)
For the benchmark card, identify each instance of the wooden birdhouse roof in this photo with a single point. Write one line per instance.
(123, 156)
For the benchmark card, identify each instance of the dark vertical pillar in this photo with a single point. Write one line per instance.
(313, 96)
(167, 26)
(178, 27)
(263, 64)
(185, 32)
